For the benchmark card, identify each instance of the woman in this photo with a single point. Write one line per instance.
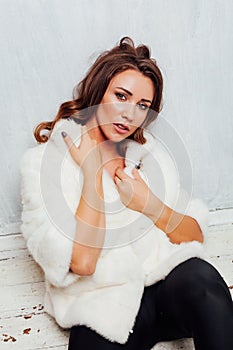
(123, 268)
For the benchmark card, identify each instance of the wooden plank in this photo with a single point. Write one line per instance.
(221, 217)
(220, 240)
(182, 344)
(41, 332)
(22, 300)
(10, 228)
(38, 332)
(16, 264)
(12, 242)
(219, 246)
(224, 265)
(22, 290)
(19, 268)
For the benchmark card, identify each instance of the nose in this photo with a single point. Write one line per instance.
(129, 112)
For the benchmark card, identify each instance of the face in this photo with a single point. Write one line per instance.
(125, 105)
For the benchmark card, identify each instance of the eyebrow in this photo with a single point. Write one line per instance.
(130, 93)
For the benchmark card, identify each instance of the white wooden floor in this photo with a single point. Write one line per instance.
(23, 323)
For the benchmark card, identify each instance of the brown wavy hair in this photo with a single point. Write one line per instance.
(88, 94)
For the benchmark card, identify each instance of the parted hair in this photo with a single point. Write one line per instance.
(88, 93)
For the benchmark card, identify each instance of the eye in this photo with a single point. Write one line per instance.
(120, 96)
(142, 106)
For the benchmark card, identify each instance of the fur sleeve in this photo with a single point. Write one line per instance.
(48, 241)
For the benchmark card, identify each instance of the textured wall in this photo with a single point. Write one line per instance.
(46, 47)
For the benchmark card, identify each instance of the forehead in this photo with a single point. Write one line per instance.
(135, 82)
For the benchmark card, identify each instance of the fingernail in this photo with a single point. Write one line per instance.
(138, 166)
(64, 134)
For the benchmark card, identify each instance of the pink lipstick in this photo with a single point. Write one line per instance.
(121, 128)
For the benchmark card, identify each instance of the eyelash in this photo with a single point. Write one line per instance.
(143, 107)
(123, 97)
(120, 96)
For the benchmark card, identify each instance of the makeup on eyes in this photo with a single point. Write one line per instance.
(123, 97)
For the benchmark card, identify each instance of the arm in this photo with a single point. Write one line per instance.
(136, 195)
(178, 227)
(51, 246)
(90, 229)
(90, 216)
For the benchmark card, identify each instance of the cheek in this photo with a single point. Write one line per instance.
(108, 111)
(140, 118)
(103, 115)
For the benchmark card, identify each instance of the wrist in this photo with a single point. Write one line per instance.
(92, 185)
(161, 215)
(154, 208)
(91, 174)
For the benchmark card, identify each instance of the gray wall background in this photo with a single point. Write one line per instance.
(47, 46)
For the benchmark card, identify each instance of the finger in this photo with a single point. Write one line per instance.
(84, 132)
(67, 139)
(121, 174)
(136, 174)
(117, 180)
(69, 142)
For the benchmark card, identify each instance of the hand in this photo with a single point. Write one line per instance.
(87, 154)
(134, 192)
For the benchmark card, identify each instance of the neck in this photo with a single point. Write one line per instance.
(94, 131)
(108, 148)
(110, 156)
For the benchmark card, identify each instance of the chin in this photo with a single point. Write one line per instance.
(112, 136)
(116, 139)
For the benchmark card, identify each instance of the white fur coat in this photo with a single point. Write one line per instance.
(136, 253)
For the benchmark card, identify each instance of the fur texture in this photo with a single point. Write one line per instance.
(136, 252)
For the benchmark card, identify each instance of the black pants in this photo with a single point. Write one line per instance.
(192, 301)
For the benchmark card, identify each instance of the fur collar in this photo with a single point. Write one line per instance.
(135, 152)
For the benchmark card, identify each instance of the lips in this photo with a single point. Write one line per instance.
(121, 128)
